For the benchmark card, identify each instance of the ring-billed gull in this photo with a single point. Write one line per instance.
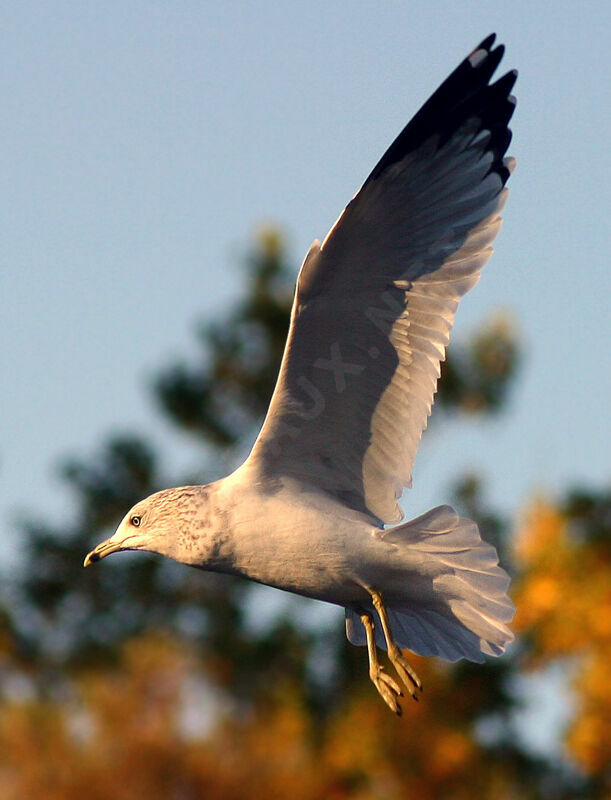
(374, 304)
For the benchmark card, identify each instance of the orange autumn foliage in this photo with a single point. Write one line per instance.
(564, 608)
(121, 733)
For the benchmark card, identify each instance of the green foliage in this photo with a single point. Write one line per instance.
(477, 377)
(226, 394)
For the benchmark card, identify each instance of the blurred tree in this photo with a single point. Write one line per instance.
(476, 377)
(125, 732)
(110, 663)
(564, 602)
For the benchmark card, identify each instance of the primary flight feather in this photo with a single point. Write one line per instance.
(372, 315)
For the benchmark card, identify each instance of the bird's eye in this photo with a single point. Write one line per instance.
(136, 520)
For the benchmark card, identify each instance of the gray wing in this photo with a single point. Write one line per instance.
(375, 302)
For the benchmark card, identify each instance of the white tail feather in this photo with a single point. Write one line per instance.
(444, 592)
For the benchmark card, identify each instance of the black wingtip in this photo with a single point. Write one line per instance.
(505, 83)
(466, 93)
(486, 43)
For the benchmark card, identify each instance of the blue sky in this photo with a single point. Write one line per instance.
(143, 143)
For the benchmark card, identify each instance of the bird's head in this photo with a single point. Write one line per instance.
(166, 523)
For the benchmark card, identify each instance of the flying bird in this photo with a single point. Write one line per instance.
(314, 508)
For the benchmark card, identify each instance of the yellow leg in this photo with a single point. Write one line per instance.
(397, 659)
(387, 687)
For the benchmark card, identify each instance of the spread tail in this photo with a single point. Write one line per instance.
(443, 589)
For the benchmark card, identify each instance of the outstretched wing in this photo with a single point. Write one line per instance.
(375, 302)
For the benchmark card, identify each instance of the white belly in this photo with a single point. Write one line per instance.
(302, 542)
